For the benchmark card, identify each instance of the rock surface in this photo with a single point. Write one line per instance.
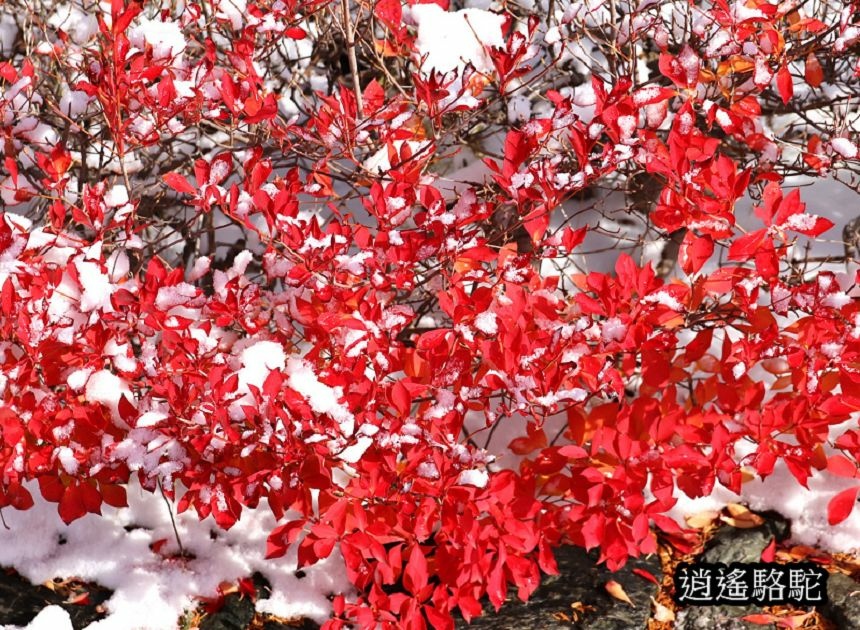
(21, 601)
(580, 582)
(843, 609)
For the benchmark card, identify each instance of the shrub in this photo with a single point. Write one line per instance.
(373, 264)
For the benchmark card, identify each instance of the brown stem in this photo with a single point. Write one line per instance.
(350, 51)
(172, 520)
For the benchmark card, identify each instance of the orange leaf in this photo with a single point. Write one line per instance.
(813, 73)
(760, 619)
(702, 519)
(617, 591)
(741, 517)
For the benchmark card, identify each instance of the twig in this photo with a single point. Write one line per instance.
(350, 51)
(172, 520)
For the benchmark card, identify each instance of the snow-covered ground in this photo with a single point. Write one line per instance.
(153, 590)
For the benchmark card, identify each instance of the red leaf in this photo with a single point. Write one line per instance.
(571, 238)
(784, 84)
(761, 619)
(841, 466)
(114, 495)
(81, 599)
(18, 497)
(841, 505)
(72, 506)
(813, 73)
(646, 575)
(389, 11)
(535, 440)
(126, 409)
(496, 586)
(282, 537)
(809, 224)
(695, 252)
(7, 297)
(769, 553)
(374, 97)
(746, 246)
(415, 574)
(294, 32)
(178, 183)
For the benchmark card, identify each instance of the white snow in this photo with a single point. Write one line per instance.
(781, 492)
(449, 40)
(107, 388)
(837, 300)
(844, 147)
(77, 379)
(473, 477)
(152, 591)
(8, 34)
(613, 329)
(800, 222)
(321, 397)
(168, 297)
(67, 460)
(50, 618)
(258, 360)
(116, 196)
(519, 109)
(428, 470)
(96, 287)
(74, 103)
(664, 298)
(487, 323)
(351, 454)
(166, 38)
(232, 10)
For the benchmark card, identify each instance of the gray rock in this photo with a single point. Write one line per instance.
(715, 618)
(236, 614)
(843, 609)
(580, 580)
(731, 544)
(21, 601)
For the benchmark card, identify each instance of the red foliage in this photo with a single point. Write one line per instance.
(352, 372)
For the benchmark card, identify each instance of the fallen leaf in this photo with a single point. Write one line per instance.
(769, 553)
(80, 599)
(662, 614)
(617, 591)
(760, 619)
(646, 575)
(741, 517)
(702, 519)
(795, 620)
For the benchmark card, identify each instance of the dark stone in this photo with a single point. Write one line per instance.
(238, 610)
(843, 609)
(21, 601)
(236, 614)
(731, 544)
(580, 581)
(715, 618)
